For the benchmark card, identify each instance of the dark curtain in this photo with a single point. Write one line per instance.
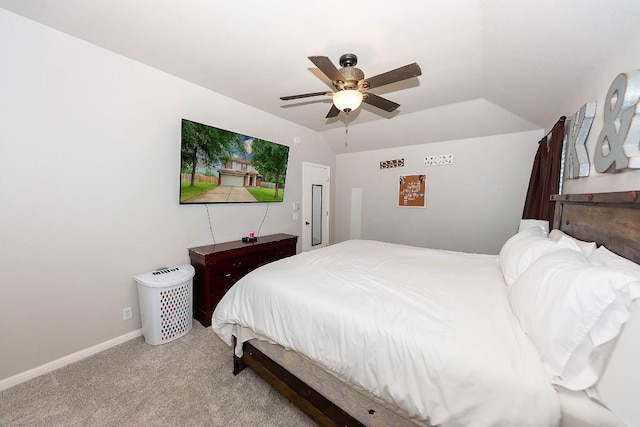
(545, 176)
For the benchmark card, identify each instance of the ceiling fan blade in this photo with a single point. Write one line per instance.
(332, 112)
(326, 66)
(380, 102)
(399, 74)
(304, 95)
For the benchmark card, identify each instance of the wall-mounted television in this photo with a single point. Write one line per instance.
(220, 166)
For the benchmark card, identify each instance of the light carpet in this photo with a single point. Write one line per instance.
(187, 382)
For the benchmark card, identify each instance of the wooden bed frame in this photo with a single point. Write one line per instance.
(610, 219)
(315, 405)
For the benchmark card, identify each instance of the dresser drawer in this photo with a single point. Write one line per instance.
(222, 282)
(278, 252)
(229, 265)
(216, 297)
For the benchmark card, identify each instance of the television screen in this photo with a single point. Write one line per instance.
(220, 166)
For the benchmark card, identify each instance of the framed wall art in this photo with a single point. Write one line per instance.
(412, 191)
(388, 164)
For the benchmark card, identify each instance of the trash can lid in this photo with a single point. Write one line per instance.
(166, 276)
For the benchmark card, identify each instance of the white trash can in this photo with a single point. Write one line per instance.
(166, 303)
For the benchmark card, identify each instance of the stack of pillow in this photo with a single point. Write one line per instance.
(572, 299)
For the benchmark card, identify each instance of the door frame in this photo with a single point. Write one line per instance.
(306, 206)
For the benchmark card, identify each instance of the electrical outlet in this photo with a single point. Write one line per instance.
(126, 313)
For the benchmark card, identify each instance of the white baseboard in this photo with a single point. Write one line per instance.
(63, 361)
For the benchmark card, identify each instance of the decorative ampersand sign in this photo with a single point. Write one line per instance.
(577, 132)
(618, 144)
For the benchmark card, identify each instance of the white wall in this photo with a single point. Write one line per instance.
(89, 179)
(473, 205)
(622, 58)
(467, 119)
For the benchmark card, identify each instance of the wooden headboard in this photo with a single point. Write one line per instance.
(609, 219)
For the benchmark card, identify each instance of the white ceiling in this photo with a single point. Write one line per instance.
(502, 63)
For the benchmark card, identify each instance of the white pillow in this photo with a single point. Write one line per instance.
(521, 250)
(572, 310)
(605, 258)
(587, 248)
(531, 223)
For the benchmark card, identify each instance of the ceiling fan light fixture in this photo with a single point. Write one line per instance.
(349, 83)
(347, 100)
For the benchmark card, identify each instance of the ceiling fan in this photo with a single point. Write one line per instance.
(351, 86)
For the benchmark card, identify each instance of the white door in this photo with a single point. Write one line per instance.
(315, 206)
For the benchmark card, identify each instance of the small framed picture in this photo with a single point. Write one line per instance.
(388, 164)
(412, 191)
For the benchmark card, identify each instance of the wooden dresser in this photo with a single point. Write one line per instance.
(219, 266)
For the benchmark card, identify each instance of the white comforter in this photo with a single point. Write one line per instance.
(429, 331)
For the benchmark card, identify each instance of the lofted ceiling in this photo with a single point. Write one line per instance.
(502, 65)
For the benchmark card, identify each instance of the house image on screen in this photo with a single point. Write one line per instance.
(239, 173)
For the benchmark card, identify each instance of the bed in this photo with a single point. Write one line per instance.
(447, 338)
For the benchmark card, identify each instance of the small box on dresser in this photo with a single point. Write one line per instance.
(219, 266)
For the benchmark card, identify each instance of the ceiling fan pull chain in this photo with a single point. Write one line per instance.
(346, 128)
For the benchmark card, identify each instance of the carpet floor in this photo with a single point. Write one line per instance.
(187, 382)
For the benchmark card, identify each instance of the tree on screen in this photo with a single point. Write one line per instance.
(204, 145)
(271, 161)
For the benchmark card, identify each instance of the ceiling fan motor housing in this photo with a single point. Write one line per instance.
(352, 76)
